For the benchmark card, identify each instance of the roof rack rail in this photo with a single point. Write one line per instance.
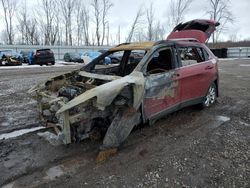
(185, 39)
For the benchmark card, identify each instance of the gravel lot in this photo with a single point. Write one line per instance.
(189, 148)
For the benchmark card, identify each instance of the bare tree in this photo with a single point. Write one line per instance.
(177, 11)
(27, 26)
(82, 21)
(48, 16)
(233, 37)
(9, 8)
(150, 22)
(107, 36)
(101, 9)
(97, 19)
(119, 35)
(79, 23)
(135, 25)
(67, 7)
(159, 31)
(22, 23)
(220, 11)
(106, 4)
(86, 20)
(32, 34)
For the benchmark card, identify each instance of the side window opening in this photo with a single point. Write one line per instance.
(161, 62)
(191, 55)
(201, 54)
(206, 55)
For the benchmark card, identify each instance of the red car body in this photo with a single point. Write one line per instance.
(193, 83)
(193, 80)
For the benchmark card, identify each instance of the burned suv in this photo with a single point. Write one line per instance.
(108, 101)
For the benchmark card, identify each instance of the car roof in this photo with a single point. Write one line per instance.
(149, 44)
(45, 49)
(134, 46)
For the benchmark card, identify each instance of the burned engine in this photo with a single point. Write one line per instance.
(86, 120)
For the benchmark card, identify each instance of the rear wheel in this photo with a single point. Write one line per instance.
(211, 96)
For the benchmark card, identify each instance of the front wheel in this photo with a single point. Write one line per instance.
(210, 97)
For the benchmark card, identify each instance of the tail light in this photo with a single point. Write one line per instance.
(50, 52)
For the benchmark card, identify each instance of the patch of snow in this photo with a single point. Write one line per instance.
(5, 124)
(244, 124)
(25, 66)
(233, 58)
(19, 133)
(223, 118)
(67, 63)
(51, 138)
(244, 65)
(54, 172)
(10, 185)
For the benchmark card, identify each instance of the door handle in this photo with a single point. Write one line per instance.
(209, 67)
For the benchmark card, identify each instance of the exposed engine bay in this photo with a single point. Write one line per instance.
(96, 102)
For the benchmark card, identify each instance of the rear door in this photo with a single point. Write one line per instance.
(162, 91)
(196, 72)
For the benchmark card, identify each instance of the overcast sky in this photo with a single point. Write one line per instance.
(124, 11)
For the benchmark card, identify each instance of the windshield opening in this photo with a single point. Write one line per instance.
(117, 63)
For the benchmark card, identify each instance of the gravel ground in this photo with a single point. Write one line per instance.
(17, 109)
(189, 148)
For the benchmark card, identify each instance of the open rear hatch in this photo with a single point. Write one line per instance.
(200, 30)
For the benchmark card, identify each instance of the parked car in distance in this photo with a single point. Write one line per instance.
(28, 56)
(72, 57)
(115, 58)
(91, 55)
(44, 57)
(10, 58)
(112, 100)
(102, 51)
(11, 53)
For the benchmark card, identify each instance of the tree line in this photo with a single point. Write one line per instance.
(75, 22)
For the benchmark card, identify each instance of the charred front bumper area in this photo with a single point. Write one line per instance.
(83, 105)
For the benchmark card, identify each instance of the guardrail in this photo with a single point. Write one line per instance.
(238, 52)
(59, 51)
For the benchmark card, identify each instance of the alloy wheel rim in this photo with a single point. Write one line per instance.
(210, 98)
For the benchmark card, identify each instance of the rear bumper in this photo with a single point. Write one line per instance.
(44, 60)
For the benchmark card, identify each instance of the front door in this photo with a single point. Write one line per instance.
(162, 89)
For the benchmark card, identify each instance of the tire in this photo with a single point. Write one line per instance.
(210, 97)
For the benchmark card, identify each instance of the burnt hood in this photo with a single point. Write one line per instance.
(198, 29)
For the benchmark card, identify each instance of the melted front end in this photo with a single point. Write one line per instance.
(84, 120)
